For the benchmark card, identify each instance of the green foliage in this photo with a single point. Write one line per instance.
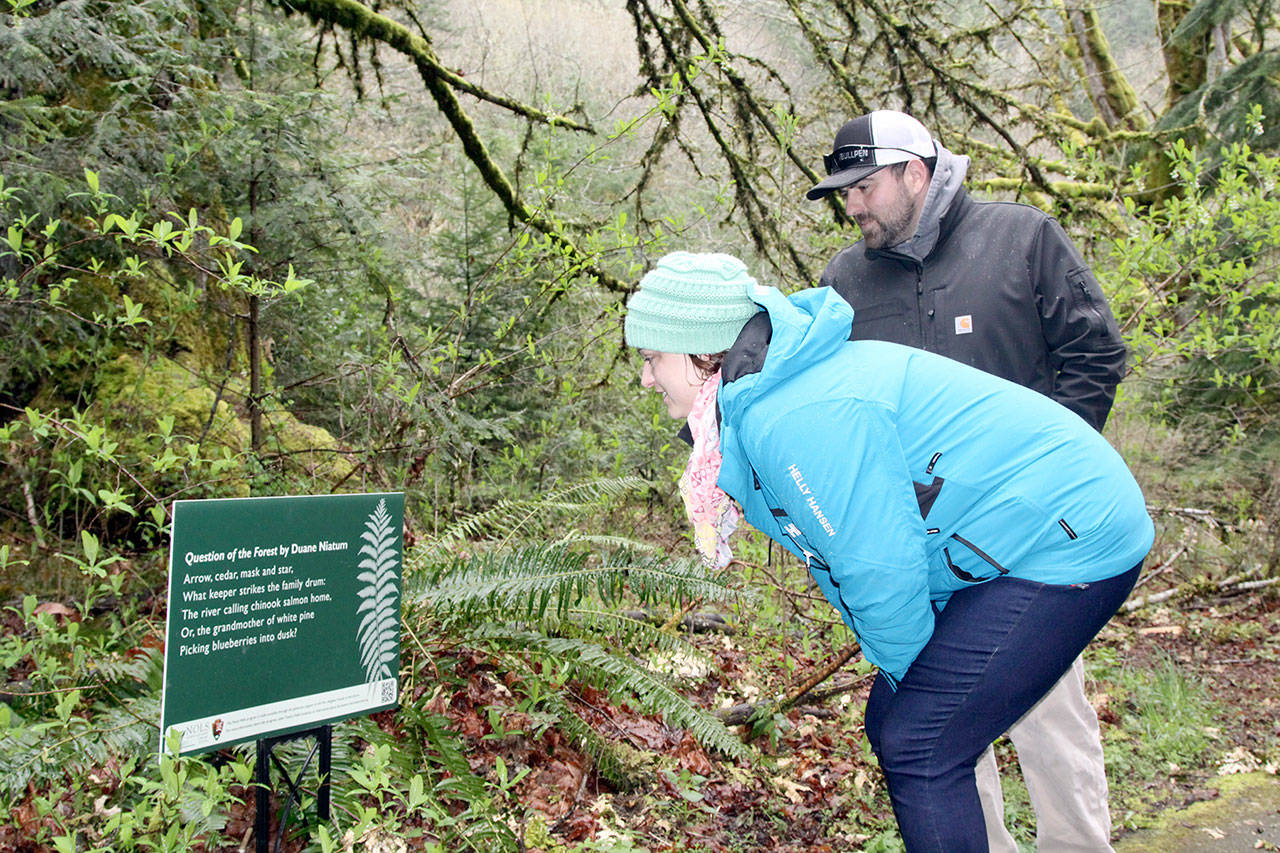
(102, 82)
(182, 808)
(1196, 280)
(387, 806)
(1224, 101)
(449, 348)
(532, 517)
(549, 582)
(1171, 713)
(78, 735)
(558, 607)
(1166, 726)
(104, 444)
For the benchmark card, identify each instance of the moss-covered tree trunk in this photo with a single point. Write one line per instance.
(1109, 90)
(1186, 65)
(1185, 59)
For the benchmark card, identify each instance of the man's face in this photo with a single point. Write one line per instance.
(884, 206)
(675, 377)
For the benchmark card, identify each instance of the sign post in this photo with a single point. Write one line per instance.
(262, 776)
(284, 616)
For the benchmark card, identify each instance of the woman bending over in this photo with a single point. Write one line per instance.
(974, 534)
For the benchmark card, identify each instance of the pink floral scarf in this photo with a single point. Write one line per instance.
(713, 513)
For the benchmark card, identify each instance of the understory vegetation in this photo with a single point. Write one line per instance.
(320, 247)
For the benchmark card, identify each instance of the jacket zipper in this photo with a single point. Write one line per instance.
(925, 338)
(1086, 300)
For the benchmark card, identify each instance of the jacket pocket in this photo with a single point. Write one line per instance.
(1079, 280)
(970, 563)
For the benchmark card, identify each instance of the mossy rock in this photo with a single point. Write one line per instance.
(195, 319)
(134, 392)
(306, 451)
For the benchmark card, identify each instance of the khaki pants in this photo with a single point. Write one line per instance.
(1060, 751)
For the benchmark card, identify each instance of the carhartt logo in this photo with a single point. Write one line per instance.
(964, 324)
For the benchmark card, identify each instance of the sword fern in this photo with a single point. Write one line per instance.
(566, 609)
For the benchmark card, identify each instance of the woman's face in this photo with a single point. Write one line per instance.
(674, 376)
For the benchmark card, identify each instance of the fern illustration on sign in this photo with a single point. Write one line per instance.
(378, 635)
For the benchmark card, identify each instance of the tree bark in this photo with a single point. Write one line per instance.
(1185, 60)
(1109, 91)
(255, 376)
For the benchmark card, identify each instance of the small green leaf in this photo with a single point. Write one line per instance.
(89, 543)
(416, 794)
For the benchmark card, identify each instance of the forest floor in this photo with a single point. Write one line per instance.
(1229, 649)
(1187, 693)
(1244, 816)
(1188, 696)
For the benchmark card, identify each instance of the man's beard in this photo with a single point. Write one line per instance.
(894, 225)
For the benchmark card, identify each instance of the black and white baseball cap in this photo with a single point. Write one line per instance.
(868, 143)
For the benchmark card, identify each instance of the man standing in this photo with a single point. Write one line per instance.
(999, 286)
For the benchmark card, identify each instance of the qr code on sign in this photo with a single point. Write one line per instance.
(389, 691)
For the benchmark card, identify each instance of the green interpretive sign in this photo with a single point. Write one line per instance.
(284, 614)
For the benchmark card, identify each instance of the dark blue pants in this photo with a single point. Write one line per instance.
(996, 649)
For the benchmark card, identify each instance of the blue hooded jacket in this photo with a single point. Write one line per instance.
(899, 476)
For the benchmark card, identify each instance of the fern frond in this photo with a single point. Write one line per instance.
(620, 763)
(605, 542)
(535, 581)
(42, 752)
(129, 673)
(624, 631)
(524, 581)
(509, 517)
(656, 580)
(462, 783)
(652, 691)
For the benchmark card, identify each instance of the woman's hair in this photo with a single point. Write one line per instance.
(708, 364)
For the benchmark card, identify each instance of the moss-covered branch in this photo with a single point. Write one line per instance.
(679, 38)
(363, 21)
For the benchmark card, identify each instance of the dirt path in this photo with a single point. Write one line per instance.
(1245, 816)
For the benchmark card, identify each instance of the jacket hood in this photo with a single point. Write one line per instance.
(948, 176)
(804, 329)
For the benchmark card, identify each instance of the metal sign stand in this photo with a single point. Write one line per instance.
(266, 756)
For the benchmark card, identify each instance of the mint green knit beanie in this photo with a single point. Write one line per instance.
(691, 303)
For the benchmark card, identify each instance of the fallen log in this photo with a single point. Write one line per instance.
(694, 623)
(1231, 585)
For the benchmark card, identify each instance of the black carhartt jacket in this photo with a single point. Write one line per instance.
(1002, 289)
